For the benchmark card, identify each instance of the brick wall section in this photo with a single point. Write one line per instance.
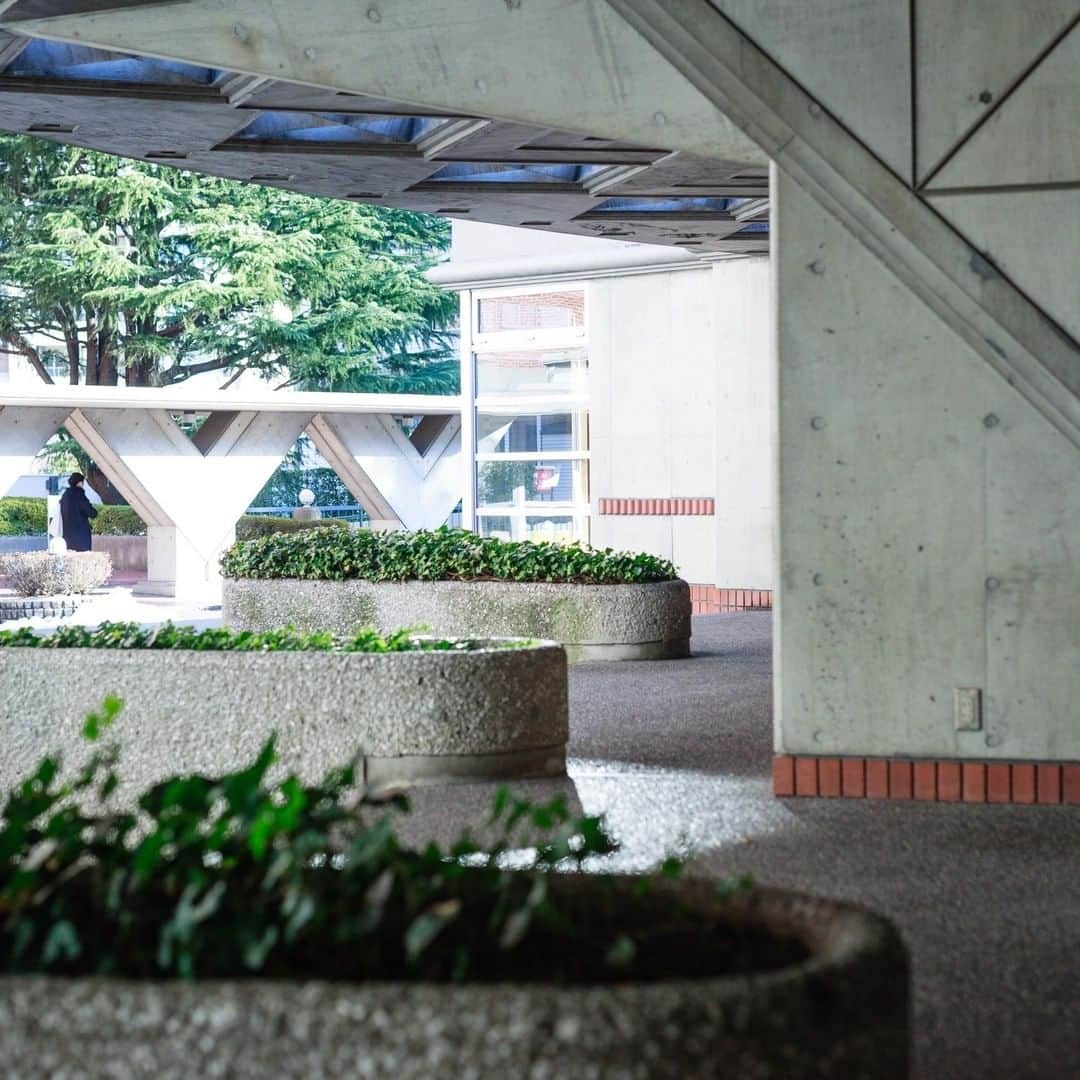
(1024, 782)
(658, 507)
(712, 600)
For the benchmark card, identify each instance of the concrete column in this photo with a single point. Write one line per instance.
(929, 517)
(190, 492)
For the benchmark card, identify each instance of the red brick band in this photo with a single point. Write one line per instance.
(710, 600)
(659, 507)
(927, 781)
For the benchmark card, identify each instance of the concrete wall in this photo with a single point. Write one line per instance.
(929, 523)
(928, 377)
(10, 545)
(679, 385)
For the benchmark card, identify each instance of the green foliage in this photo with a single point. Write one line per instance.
(22, 516)
(233, 875)
(118, 521)
(152, 274)
(442, 555)
(29, 517)
(252, 526)
(132, 636)
(428, 372)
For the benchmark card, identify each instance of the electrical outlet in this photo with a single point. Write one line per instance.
(967, 708)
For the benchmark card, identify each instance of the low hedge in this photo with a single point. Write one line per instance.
(132, 636)
(118, 521)
(253, 526)
(26, 516)
(443, 555)
(218, 877)
(23, 516)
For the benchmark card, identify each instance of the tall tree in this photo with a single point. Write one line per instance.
(148, 275)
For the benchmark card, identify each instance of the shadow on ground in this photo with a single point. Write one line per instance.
(678, 755)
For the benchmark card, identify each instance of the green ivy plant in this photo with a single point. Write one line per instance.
(110, 635)
(441, 555)
(233, 875)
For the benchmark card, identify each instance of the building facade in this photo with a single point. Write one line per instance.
(619, 394)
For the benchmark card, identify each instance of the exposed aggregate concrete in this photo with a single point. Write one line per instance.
(188, 711)
(594, 622)
(767, 1026)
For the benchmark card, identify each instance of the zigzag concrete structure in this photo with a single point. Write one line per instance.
(191, 491)
(925, 208)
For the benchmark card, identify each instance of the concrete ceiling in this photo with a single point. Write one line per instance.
(368, 149)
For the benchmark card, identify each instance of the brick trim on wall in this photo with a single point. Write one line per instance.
(658, 507)
(927, 781)
(712, 600)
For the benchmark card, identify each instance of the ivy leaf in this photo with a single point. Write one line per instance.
(424, 929)
(62, 941)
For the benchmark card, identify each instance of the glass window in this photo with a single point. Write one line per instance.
(531, 432)
(531, 371)
(536, 433)
(536, 311)
(562, 528)
(527, 483)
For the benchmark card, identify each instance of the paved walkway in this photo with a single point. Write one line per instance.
(117, 602)
(678, 755)
(988, 897)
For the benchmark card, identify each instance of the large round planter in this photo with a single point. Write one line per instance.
(840, 1014)
(593, 622)
(489, 713)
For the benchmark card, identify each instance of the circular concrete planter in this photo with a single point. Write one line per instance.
(593, 622)
(841, 1013)
(489, 713)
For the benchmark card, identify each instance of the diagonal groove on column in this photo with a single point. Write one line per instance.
(1009, 331)
(1005, 96)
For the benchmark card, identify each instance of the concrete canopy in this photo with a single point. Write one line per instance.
(108, 85)
(928, 390)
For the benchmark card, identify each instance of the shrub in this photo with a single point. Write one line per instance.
(219, 877)
(20, 516)
(29, 517)
(37, 573)
(252, 526)
(132, 636)
(118, 521)
(446, 554)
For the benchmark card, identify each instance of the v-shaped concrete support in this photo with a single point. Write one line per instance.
(390, 478)
(189, 499)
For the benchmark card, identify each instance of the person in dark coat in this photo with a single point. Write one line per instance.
(76, 510)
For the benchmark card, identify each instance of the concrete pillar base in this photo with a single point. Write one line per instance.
(154, 588)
